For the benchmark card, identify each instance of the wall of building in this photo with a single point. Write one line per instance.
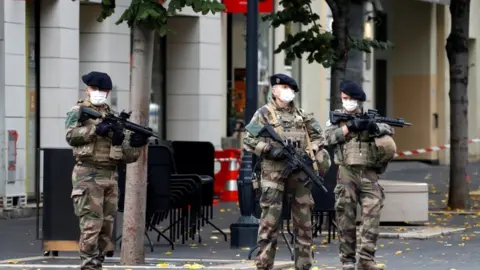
(442, 99)
(105, 47)
(196, 90)
(473, 81)
(16, 99)
(414, 74)
(315, 78)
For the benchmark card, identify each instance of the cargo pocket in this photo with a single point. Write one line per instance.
(80, 200)
(270, 196)
(340, 199)
(382, 195)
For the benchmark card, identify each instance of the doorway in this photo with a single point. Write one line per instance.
(380, 74)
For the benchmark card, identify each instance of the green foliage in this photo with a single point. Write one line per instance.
(153, 15)
(313, 41)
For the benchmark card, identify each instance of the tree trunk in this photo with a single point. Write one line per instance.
(136, 180)
(340, 11)
(457, 53)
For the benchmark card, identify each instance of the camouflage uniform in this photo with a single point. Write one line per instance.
(361, 156)
(94, 180)
(291, 123)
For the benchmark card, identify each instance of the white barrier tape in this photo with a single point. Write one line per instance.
(431, 149)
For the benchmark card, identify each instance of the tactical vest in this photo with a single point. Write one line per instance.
(358, 150)
(290, 125)
(97, 152)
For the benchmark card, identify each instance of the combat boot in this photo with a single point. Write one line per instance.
(348, 266)
(368, 265)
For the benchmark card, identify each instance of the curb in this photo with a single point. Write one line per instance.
(151, 263)
(422, 234)
(17, 213)
(419, 233)
(453, 213)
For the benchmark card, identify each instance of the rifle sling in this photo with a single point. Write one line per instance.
(278, 129)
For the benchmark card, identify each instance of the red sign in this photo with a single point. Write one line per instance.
(240, 6)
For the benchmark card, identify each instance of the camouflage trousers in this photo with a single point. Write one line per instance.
(271, 202)
(95, 196)
(356, 186)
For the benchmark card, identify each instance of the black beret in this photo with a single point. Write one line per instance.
(284, 79)
(353, 90)
(98, 79)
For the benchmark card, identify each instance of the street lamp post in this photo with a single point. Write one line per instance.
(244, 232)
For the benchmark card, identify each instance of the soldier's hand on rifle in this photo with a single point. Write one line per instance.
(276, 153)
(372, 127)
(138, 140)
(102, 129)
(358, 124)
(118, 136)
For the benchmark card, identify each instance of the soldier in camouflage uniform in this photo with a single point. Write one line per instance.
(305, 133)
(98, 148)
(362, 150)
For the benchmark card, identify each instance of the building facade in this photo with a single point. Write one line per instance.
(50, 44)
(197, 80)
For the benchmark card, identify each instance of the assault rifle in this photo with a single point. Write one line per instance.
(294, 160)
(337, 117)
(114, 120)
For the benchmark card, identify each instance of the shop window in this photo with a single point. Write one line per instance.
(156, 118)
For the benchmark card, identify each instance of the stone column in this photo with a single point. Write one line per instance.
(196, 92)
(105, 47)
(59, 61)
(14, 84)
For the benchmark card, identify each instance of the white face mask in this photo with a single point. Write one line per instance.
(350, 104)
(286, 95)
(98, 97)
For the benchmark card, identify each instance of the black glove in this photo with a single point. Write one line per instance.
(138, 140)
(118, 136)
(358, 124)
(276, 153)
(102, 129)
(372, 127)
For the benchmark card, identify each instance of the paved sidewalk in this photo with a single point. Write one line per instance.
(460, 249)
(437, 177)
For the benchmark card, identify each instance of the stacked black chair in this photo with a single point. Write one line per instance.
(191, 190)
(199, 158)
(158, 189)
(184, 200)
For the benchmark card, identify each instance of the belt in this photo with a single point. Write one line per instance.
(96, 166)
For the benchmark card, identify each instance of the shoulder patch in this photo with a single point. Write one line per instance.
(263, 110)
